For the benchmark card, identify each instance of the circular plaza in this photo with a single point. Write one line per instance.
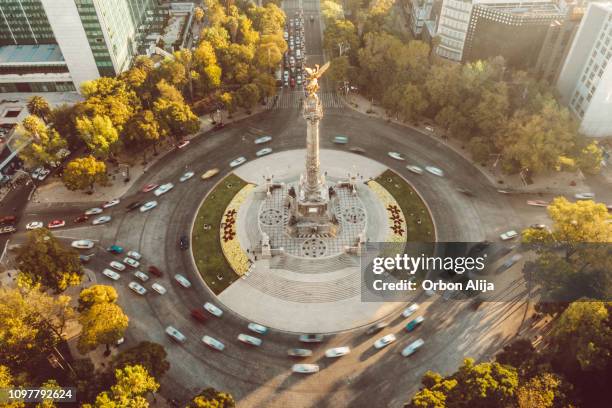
(298, 278)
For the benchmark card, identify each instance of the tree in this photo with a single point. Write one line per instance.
(7, 381)
(142, 131)
(491, 113)
(339, 36)
(175, 118)
(268, 54)
(583, 332)
(331, 11)
(474, 385)
(248, 95)
(31, 324)
(266, 84)
(49, 402)
(590, 158)
(41, 145)
(538, 141)
(542, 391)
(84, 173)
(269, 19)
(151, 356)
(579, 222)
(206, 64)
(87, 381)
(110, 97)
(44, 260)
(198, 14)
(96, 294)
(211, 398)
(99, 134)
(38, 106)
(133, 383)
(339, 69)
(103, 323)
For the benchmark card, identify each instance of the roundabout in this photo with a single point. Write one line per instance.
(262, 376)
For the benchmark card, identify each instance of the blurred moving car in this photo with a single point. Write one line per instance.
(137, 287)
(158, 288)
(257, 328)
(337, 352)
(34, 225)
(305, 368)
(82, 244)
(311, 338)
(412, 347)
(56, 224)
(250, 340)
(163, 189)
(385, 341)
(111, 274)
(148, 206)
(209, 173)
(213, 343)
(115, 249)
(410, 310)
(299, 352)
(508, 235)
(175, 334)
(111, 203)
(212, 309)
(183, 281)
(101, 220)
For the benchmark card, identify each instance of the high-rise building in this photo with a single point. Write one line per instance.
(481, 29)
(585, 82)
(419, 13)
(557, 43)
(50, 45)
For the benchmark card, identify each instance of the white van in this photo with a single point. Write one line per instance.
(298, 54)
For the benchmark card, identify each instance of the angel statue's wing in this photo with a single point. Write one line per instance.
(309, 70)
(322, 69)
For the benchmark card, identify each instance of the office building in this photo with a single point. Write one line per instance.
(557, 42)
(481, 29)
(585, 81)
(55, 45)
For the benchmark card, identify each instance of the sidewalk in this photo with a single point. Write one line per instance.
(550, 183)
(54, 190)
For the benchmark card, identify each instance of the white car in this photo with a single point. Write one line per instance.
(412, 347)
(337, 352)
(158, 288)
(131, 262)
(134, 255)
(137, 287)
(163, 189)
(214, 343)
(82, 244)
(183, 281)
(43, 174)
(263, 139)
(396, 156)
(584, 196)
(34, 225)
(305, 368)
(263, 152)
(508, 235)
(212, 309)
(299, 352)
(435, 171)
(237, 162)
(415, 169)
(111, 274)
(111, 203)
(186, 176)
(101, 220)
(148, 206)
(142, 276)
(175, 334)
(385, 341)
(117, 265)
(410, 310)
(93, 211)
(429, 129)
(257, 328)
(250, 340)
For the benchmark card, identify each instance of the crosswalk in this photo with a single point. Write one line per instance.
(293, 100)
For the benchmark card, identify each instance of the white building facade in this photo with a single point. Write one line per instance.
(585, 82)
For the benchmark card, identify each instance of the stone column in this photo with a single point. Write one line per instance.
(313, 113)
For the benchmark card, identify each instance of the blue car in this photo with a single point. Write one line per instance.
(413, 324)
(115, 249)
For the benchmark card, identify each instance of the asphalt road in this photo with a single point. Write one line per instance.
(260, 377)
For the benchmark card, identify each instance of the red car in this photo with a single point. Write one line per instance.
(56, 224)
(80, 219)
(154, 270)
(182, 144)
(198, 315)
(292, 83)
(149, 187)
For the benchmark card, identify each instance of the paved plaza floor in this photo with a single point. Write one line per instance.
(293, 291)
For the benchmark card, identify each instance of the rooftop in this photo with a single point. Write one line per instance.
(19, 55)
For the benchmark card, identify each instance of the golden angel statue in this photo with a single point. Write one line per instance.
(313, 75)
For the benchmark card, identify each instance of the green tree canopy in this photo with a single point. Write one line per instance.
(151, 356)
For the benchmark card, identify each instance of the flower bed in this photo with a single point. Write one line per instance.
(230, 244)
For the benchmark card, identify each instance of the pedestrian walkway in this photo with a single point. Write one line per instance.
(293, 100)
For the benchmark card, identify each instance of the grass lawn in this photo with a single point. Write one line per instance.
(412, 206)
(206, 245)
